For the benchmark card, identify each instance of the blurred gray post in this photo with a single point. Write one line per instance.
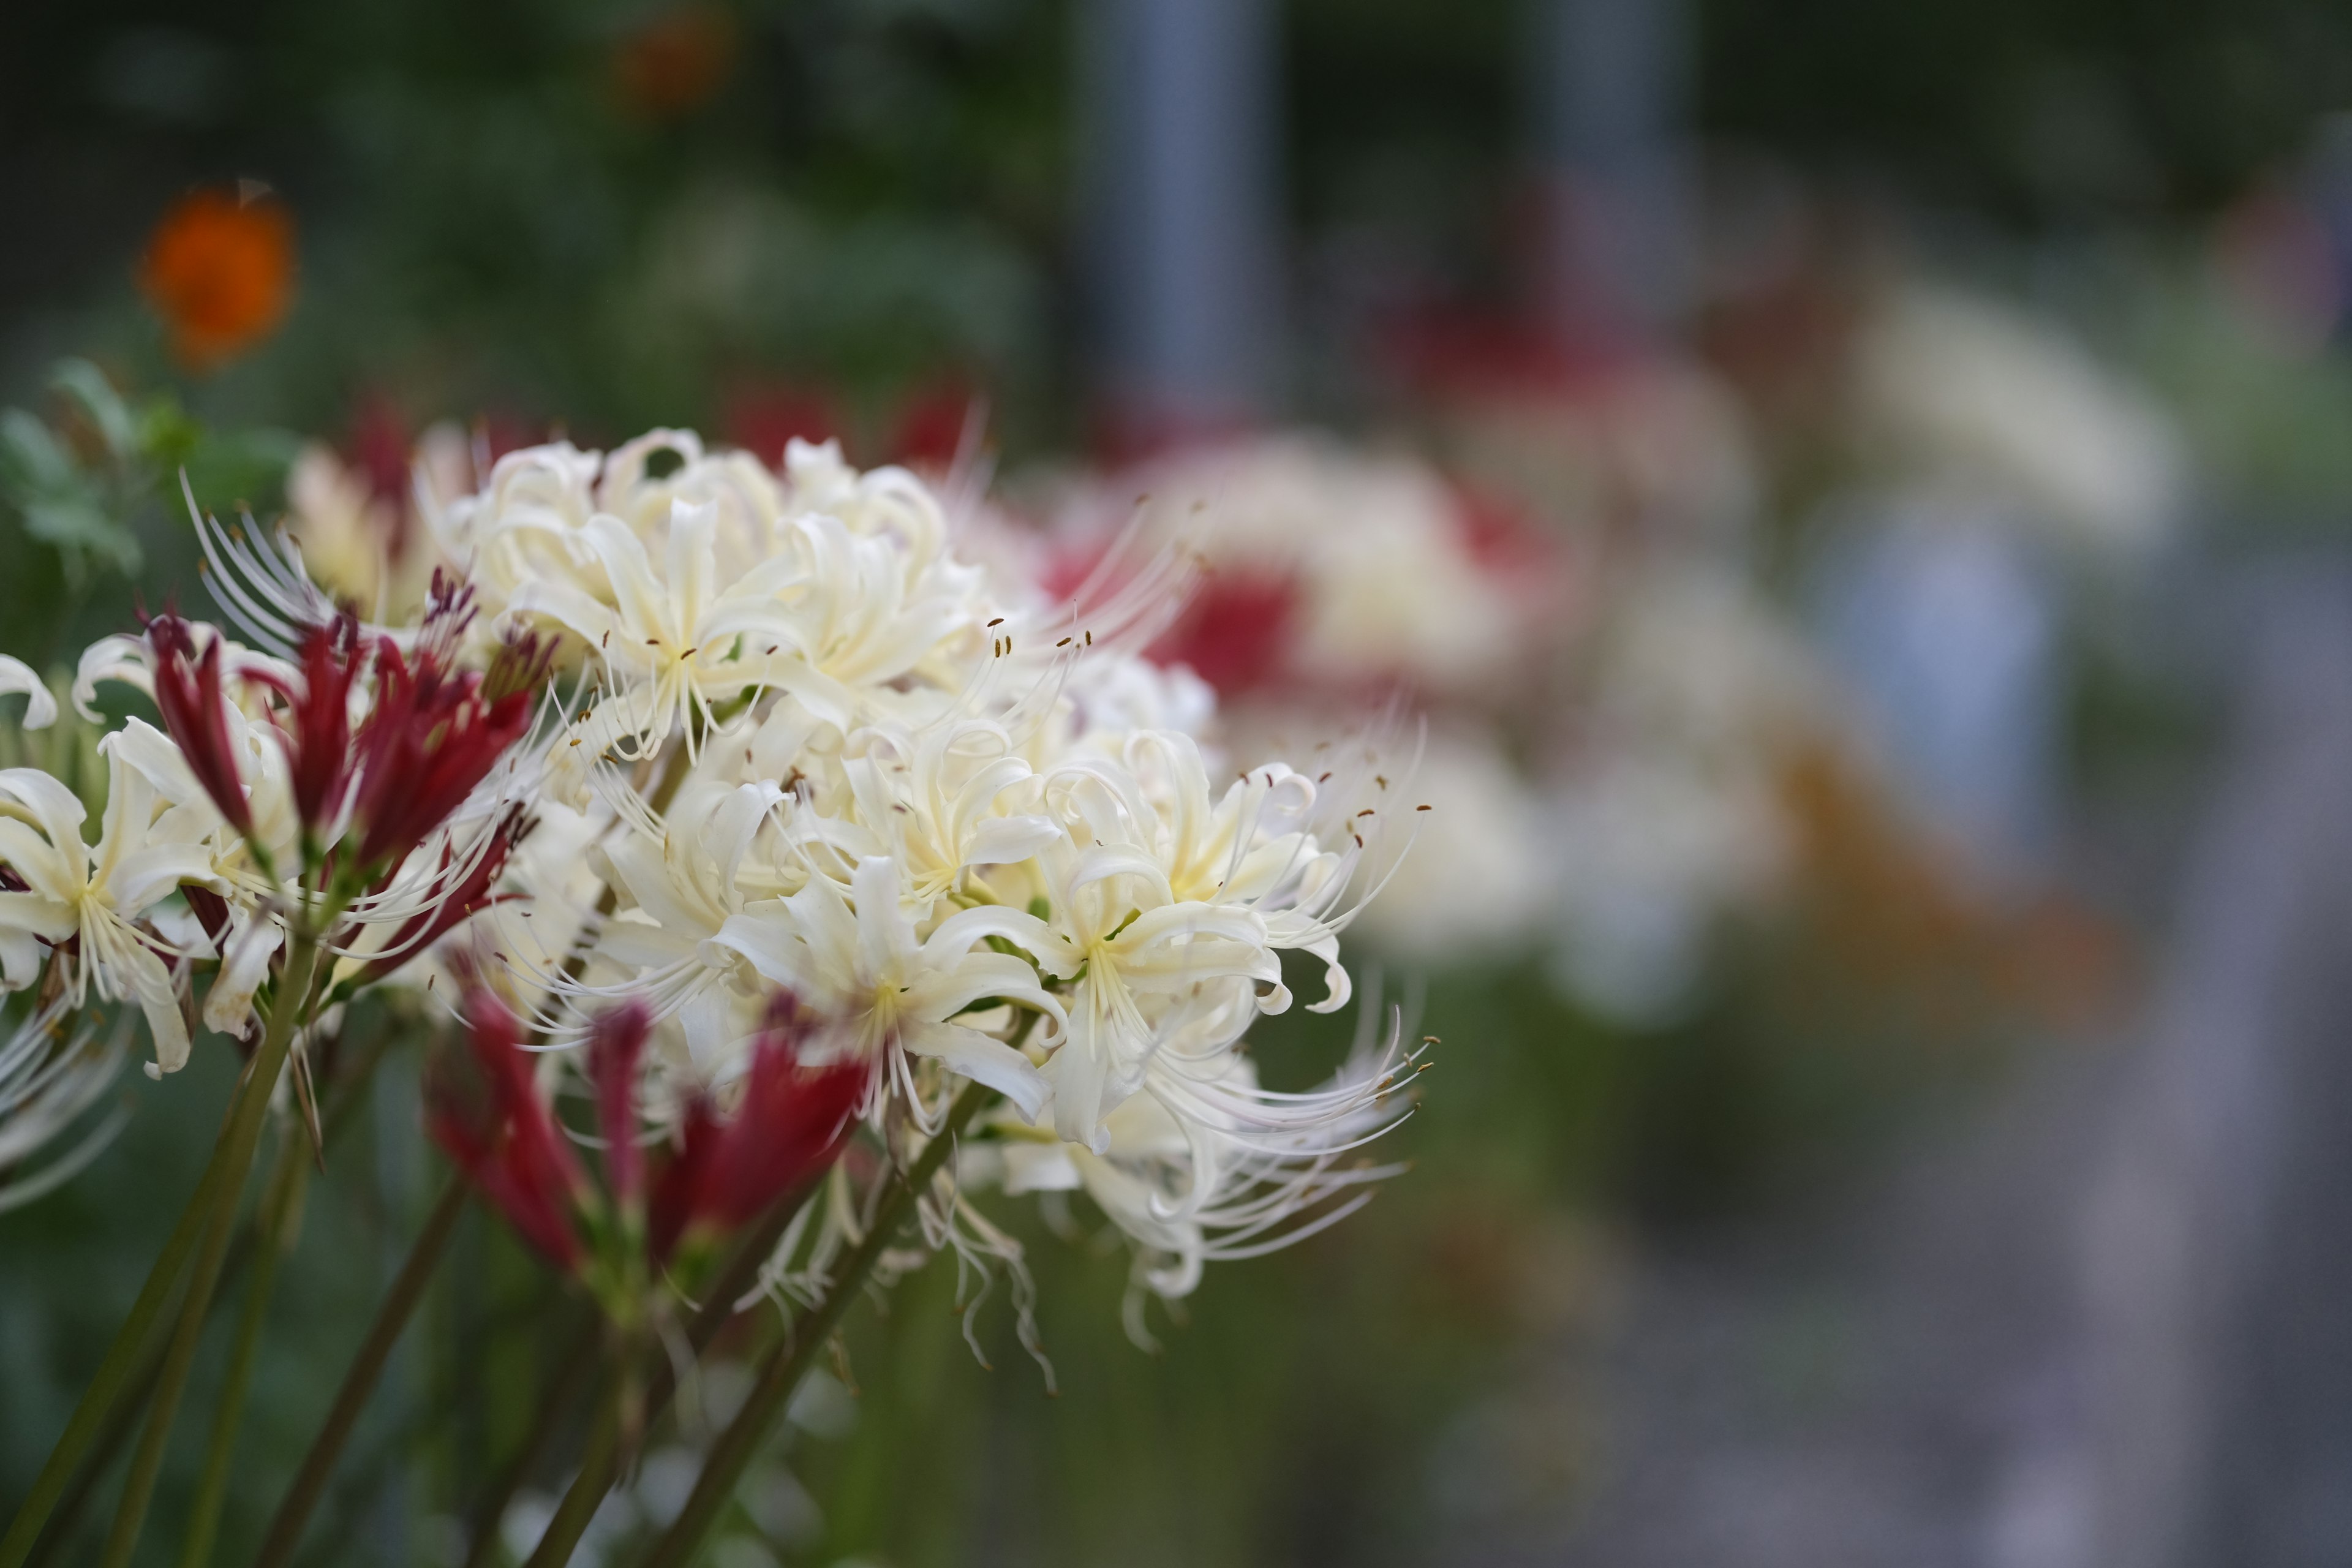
(1612, 94)
(1180, 107)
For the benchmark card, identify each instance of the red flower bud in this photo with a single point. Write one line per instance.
(432, 736)
(189, 694)
(316, 728)
(615, 1041)
(790, 1123)
(511, 1148)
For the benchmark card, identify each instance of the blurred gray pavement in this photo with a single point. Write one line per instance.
(2099, 1317)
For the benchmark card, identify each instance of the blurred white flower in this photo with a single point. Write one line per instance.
(1668, 816)
(1961, 391)
(50, 1077)
(367, 547)
(1470, 882)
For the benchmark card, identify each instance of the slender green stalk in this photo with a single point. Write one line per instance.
(789, 1361)
(237, 1148)
(600, 1466)
(350, 1094)
(735, 1281)
(281, 1213)
(554, 1400)
(582, 1501)
(130, 1352)
(391, 1317)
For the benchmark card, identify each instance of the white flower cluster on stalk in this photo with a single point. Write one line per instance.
(217, 836)
(795, 745)
(970, 827)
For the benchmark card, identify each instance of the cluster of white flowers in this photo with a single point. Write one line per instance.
(970, 827)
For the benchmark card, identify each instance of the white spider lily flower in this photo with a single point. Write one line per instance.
(679, 876)
(1136, 974)
(1191, 1185)
(520, 527)
(858, 960)
(364, 547)
(878, 503)
(48, 1080)
(676, 640)
(831, 618)
(526, 526)
(866, 613)
(746, 496)
(1167, 908)
(40, 707)
(930, 803)
(62, 891)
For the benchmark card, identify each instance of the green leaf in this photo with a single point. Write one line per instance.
(32, 462)
(78, 524)
(85, 386)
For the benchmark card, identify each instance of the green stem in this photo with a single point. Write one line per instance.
(601, 1465)
(350, 1094)
(555, 1399)
(281, 1213)
(581, 1502)
(789, 1361)
(236, 1151)
(130, 1352)
(367, 1366)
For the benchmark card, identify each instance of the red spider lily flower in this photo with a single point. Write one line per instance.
(790, 1124)
(316, 728)
(616, 1042)
(434, 734)
(455, 904)
(511, 1148)
(194, 706)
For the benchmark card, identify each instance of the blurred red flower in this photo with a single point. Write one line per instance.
(763, 417)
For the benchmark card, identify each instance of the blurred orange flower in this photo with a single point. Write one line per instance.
(675, 62)
(219, 269)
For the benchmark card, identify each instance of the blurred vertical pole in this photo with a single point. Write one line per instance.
(1183, 226)
(1611, 89)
